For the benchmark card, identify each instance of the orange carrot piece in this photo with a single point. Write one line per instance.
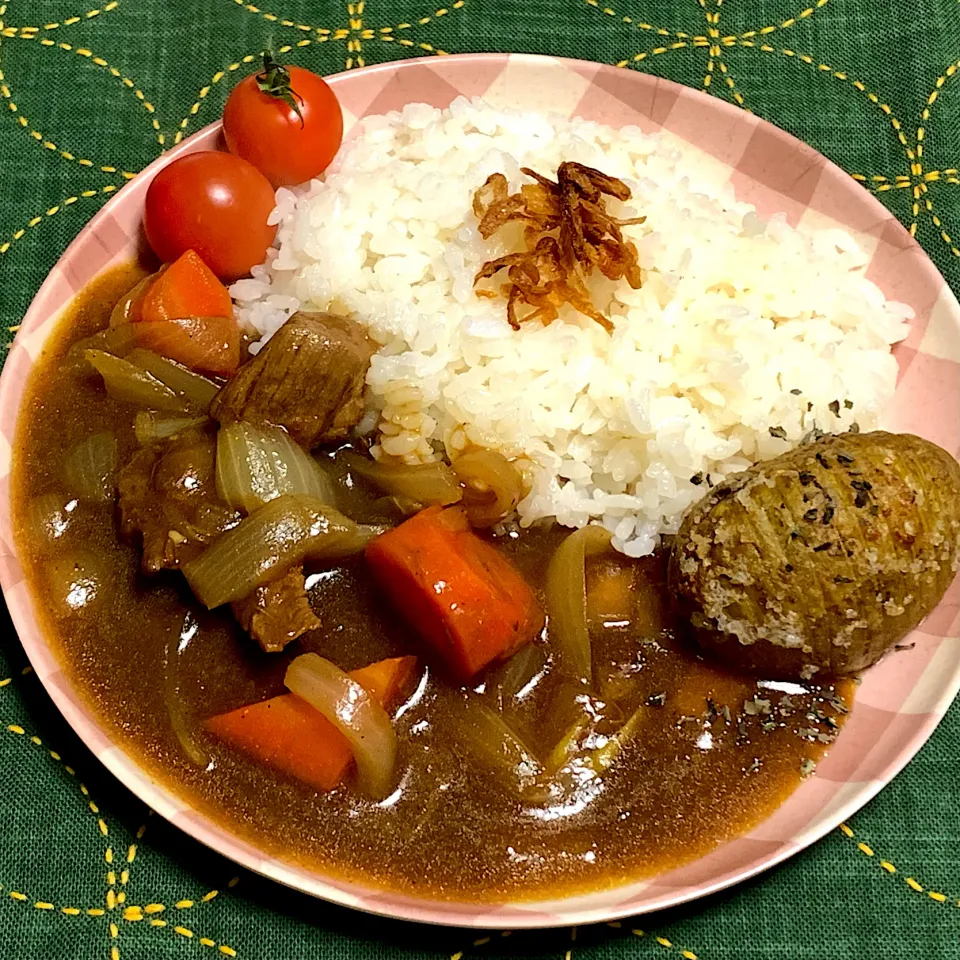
(465, 599)
(204, 344)
(387, 680)
(286, 733)
(187, 288)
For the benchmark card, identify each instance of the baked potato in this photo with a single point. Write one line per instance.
(820, 560)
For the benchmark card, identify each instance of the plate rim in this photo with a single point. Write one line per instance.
(137, 777)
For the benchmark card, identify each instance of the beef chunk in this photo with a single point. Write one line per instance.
(168, 496)
(278, 612)
(308, 378)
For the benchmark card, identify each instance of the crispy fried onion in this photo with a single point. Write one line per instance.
(568, 233)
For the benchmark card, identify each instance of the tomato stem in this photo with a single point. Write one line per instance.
(274, 81)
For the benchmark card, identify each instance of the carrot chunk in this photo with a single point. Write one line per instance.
(465, 599)
(186, 315)
(286, 733)
(187, 288)
(387, 680)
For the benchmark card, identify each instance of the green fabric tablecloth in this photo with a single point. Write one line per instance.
(90, 94)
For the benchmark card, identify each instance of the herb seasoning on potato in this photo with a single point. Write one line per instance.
(820, 560)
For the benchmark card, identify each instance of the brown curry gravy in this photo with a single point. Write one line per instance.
(716, 752)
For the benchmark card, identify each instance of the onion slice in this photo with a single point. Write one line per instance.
(279, 535)
(602, 758)
(129, 383)
(123, 312)
(118, 341)
(256, 464)
(195, 389)
(90, 467)
(425, 483)
(567, 600)
(355, 713)
(178, 642)
(490, 740)
(49, 518)
(150, 426)
(492, 486)
(510, 682)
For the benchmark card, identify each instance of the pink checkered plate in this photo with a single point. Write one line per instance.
(900, 700)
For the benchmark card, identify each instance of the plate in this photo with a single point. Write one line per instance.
(901, 699)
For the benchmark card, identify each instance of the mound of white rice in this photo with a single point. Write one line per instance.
(741, 327)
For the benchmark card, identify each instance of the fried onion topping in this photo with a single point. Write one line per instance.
(568, 234)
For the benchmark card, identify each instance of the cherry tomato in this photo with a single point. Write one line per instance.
(214, 203)
(286, 121)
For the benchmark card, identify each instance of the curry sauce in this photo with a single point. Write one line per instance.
(709, 753)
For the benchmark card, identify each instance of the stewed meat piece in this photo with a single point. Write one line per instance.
(168, 496)
(278, 612)
(309, 379)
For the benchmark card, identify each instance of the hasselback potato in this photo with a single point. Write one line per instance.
(818, 561)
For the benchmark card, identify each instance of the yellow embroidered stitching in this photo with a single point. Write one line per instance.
(27, 32)
(354, 45)
(944, 236)
(114, 899)
(19, 731)
(784, 24)
(283, 21)
(341, 34)
(666, 944)
(889, 868)
(919, 184)
(99, 61)
(713, 20)
(189, 934)
(837, 75)
(734, 92)
(656, 51)
(481, 941)
(948, 175)
(715, 44)
(423, 21)
(641, 25)
(153, 909)
(44, 905)
(614, 924)
(47, 144)
(937, 87)
(403, 42)
(919, 177)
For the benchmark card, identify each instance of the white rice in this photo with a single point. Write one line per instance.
(740, 325)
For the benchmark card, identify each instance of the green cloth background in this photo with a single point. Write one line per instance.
(90, 94)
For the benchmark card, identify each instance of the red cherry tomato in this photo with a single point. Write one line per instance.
(214, 203)
(286, 121)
